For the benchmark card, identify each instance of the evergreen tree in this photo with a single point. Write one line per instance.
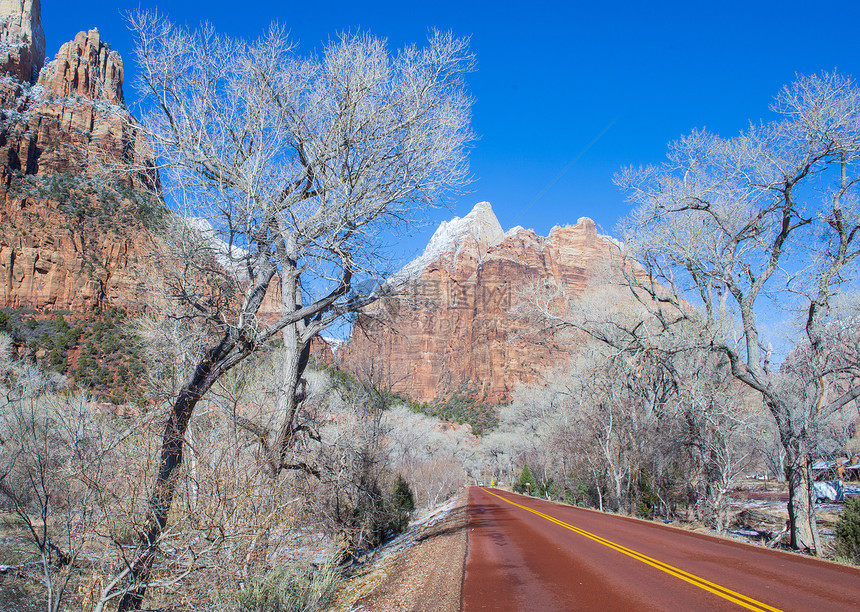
(399, 508)
(401, 495)
(848, 531)
(526, 483)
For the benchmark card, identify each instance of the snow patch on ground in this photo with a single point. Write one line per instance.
(393, 572)
(416, 527)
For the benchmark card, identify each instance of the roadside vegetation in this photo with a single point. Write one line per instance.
(243, 540)
(727, 237)
(618, 433)
(196, 457)
(848, 533)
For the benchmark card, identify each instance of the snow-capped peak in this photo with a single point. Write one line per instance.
(228, 256)
(333, 343)
(481, 224)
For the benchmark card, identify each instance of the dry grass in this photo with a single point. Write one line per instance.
(18, 591)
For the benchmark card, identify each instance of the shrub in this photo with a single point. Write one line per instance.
(402, 505)
(462, 406)
(57, 360)
(578, 495)
(647, 501)
(848, 531)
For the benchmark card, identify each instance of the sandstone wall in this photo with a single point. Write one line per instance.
(72, 231)
(461, 323)
(22, 40)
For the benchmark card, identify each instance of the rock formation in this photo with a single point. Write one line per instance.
(74, 221)
(85, 67)
(452, 321)
(71, 236)
(22, 40)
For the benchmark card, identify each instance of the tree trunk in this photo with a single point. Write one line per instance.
(296, 355)
(289, 394)
(801, 506)
(164, 489)
(599, 496)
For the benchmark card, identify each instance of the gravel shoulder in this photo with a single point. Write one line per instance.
(423, 572)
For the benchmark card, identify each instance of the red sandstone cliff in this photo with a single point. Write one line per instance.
(22, 40)
(72, 233)
(452, 321)
(75, 224)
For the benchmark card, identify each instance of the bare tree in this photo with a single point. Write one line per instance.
(432, 453)
(60, 475)
(723, 426)
(28, 466)
(741, 235)
(651, 410)
(287, 169)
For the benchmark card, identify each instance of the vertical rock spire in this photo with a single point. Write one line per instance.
(22, 40)
(71, 237)
(85, 67)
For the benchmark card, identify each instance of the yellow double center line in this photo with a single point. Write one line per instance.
(733, 596)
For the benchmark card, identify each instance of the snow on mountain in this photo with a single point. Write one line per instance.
(229, 256)
(481, 224)
(334, 343)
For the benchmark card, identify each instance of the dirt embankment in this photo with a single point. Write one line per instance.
(422, 574)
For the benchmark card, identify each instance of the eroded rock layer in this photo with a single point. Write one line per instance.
(459, 321)
(71, 227)
(22, 40)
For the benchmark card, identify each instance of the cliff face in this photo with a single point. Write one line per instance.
(22, 40)
(71, 230)
(455, 320)
(85, 67)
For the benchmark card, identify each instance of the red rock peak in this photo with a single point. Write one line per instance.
(85, 67)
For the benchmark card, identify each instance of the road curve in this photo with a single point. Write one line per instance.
(530, 554)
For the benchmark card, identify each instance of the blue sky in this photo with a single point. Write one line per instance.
(565, 93)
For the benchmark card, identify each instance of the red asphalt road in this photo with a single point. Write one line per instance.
(518, 560)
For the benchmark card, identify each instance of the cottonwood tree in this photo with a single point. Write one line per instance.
(619, 387)
(629, 427)
(739, 236)
(722, 426)
(291, 168)
(640, 398)
(431, 452)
